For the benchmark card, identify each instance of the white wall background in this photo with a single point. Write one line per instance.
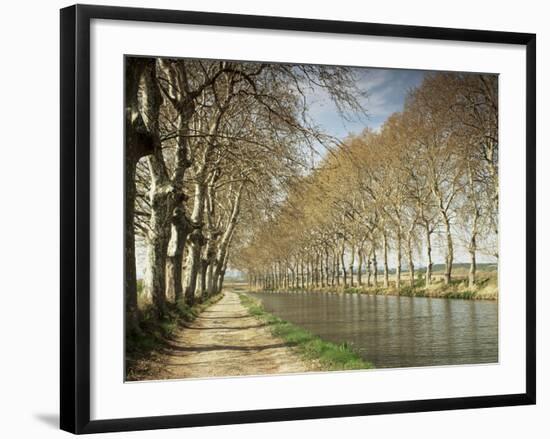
(29, 187)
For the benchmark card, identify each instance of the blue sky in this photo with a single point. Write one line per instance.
(386, 88)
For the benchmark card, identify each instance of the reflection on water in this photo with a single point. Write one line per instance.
(394, 331)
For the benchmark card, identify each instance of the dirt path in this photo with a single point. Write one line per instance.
(226, 341)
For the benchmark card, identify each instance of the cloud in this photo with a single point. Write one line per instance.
(386, 90)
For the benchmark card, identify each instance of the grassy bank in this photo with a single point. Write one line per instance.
(330, 356)
(154, 334)
(486, 288)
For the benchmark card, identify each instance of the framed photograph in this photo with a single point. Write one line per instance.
(268, 219)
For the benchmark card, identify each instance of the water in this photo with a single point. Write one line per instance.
(392, 331)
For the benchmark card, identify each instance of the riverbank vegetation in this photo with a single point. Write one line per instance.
(485, 288)
(427, 180)
(329, 356)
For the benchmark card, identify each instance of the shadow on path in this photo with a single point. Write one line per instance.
(254, 348)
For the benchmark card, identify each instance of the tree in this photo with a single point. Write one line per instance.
(391, 191)
(142, 103)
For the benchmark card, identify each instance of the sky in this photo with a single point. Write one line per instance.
(386, 89)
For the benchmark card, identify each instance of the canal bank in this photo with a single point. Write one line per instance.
(395, 331)
(485, 289)
(326, 354)
(298, 332)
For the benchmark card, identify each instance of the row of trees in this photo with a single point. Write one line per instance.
(430, 172)
(210, 145)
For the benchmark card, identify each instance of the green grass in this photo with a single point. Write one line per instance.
(470, 295)
(352, 290)
(330, 356)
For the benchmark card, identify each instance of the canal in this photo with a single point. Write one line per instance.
(393, 331)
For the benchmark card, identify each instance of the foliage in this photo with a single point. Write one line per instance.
(428, 177)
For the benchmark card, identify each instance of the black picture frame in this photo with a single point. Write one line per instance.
(75, 217)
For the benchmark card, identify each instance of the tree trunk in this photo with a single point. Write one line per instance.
(333, 270)
(472, 248)
(210, 280)
(449, 255)
(141, 140)
(337, 267)
(317, 277)
(195, 242)
(429, 267)
(351, 262)
(472, 272)
(369, 273)
(157, 246)
(225, 241)
(327, 266)
(374, 268)
(322, 267)
(130, 279)
(159, 233)
(181, 227)
(411, 263)
(342, 261)
(175, 252)
(192, 265)
(399, 259)
(360, 267)
(386, 269)
(203, 285)
(221, 277)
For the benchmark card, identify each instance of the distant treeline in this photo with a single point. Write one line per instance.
(440, 268)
